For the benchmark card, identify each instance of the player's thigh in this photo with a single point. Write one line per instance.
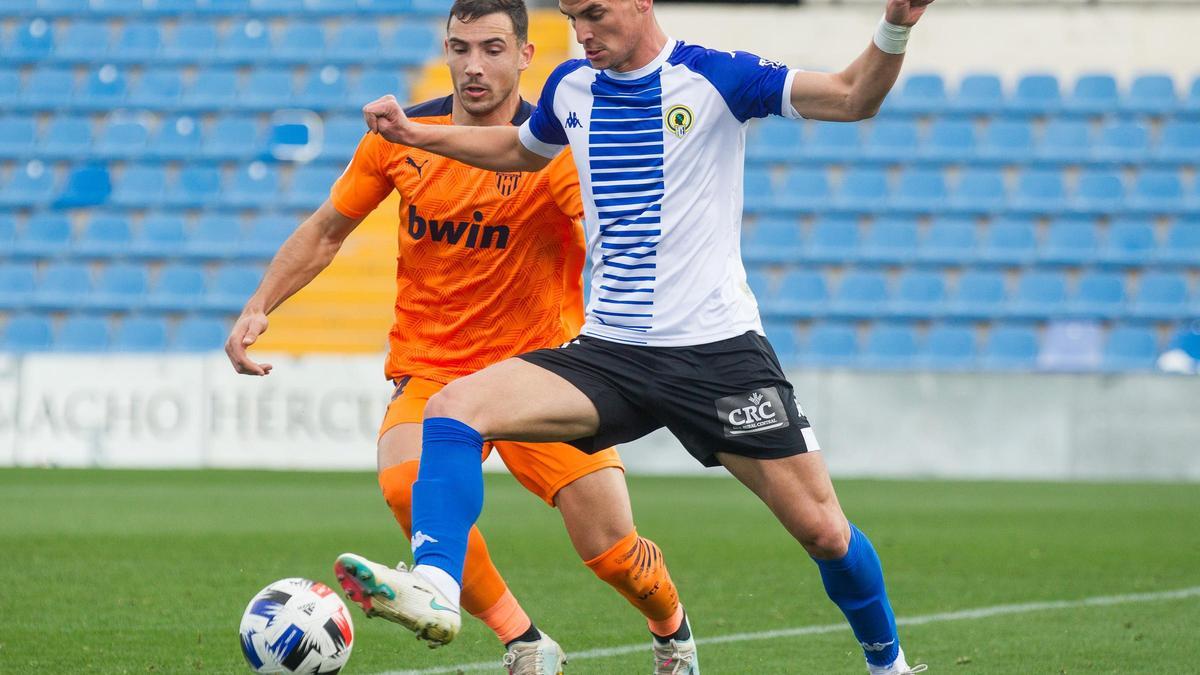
(518, 401)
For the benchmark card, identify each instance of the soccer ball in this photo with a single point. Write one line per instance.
(296, 626)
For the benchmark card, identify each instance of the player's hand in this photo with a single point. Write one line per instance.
(905, 12)
(385, 117)
(245, 333)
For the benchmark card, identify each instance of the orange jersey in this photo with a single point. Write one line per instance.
(490, 264)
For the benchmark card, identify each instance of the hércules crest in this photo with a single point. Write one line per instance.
(679, 119)
(506, 183)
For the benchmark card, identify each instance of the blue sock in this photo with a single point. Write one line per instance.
(448, 494)
(855, 584)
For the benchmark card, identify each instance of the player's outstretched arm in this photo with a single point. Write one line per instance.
(857, 92)
(299, 260)
(491, 148)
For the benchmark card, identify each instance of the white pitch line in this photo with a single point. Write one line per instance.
(977, 613)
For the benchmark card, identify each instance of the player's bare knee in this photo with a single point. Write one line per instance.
(826, 538)
(456, 402)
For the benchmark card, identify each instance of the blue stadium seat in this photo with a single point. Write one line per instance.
(342, 135)
(1182, 246)
(10, 87)
(46, 235)
(919, 191)
(180, 287)
(919, 294)
(16, 284)
(1151, 95)
(105, 89)
(390, 7)
(17, 137)
(411, 44)
(1190, 106)
(122, 138)
(160, 236)
(355, 42)
(773, 240)
(1131, 242)
(280, 7)
(1071, 346)
(1100, 295)
(140, 186)
(1040, 192)
(310, 186)
(1157, 191)
(212, 89)
(32, 41)
(334, 7)
(757, 191)
(1011, 347)
(178, 138)
(802, 293)
(890, 346)
(199, 335)
(373, 83)
(267, 88)
(832, 240)
(121, 8)
(980, 191)
(195, 187)
(48, 88)
(759, 280)
(1094, 94)
(1179, 143)
(784, 338)
(120, 287)
(66, 138)
(8, 232)
(436, 8)
(1070, 242)
(804, 190)
(948, 241)
(921, 94)
(193, 42)
(861, 294)
(62, 286)
(889, 139)
(324, 89)
(233, 138)
(1131, 348)
(30, 185)
(831, 345)
(302, 42)
(1065, 141)
(247, 41)
(979, 94)
(159, 88)
(1007, 141)
(948, 347)
(87, 184)
(253, 186)
(949, 141)
(215, 236)
(1040, 294)
(1099, 192)
(82, 334)
(863, 190)
(106, 236)
(266, 235)
(832, 142)
(890, 241)
(1161, 296)
(82, 42)
(1122, 143)
(140, 42)
(27, 334)
(775, 140)
(140, 334)
(1036, 94)
(63, 7)
(231, 287)
(1010, 241)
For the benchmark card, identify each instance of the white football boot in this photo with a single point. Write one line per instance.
(541, 657)
(898, 667)
(398, 595)
(677, 657)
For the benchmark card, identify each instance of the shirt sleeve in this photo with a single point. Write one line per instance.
(564, 185)
(364, 183)
(751, 85)
(543, 133)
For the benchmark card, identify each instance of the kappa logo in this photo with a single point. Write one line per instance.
(877, 646)
(573, 121)
(752, 412)
(409, 161)
(568, 343)
(768, 63)
(422, 538)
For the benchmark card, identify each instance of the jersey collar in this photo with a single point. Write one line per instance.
(649, 67)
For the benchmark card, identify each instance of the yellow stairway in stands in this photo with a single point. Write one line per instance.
(348, 308)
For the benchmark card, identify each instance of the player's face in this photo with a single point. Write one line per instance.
(485, 61)
(608, 30)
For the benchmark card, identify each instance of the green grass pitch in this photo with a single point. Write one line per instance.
(136, 572)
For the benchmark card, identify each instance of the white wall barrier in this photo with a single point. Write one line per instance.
(323, 412)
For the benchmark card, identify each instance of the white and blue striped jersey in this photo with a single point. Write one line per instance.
(661, 157)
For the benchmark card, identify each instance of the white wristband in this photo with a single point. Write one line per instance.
(890, 38)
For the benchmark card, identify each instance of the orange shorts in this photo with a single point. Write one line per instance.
(543, 468)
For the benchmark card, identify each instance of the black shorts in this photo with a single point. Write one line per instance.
(728, 396)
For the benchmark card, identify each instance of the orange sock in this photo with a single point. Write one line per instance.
(635, 567)
(484, 593)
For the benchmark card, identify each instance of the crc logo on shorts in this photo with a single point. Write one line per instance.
(752, 412)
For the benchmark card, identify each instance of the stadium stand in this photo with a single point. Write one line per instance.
(142, 189)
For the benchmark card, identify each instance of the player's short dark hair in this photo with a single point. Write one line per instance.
(467, 11)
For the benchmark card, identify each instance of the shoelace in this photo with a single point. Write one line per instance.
(913, 670)
(511, 656)
(678, 661)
